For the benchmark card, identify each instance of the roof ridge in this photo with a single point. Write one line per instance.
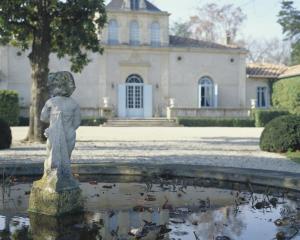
(192, 42)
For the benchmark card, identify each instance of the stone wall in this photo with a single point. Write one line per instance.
(208, 112)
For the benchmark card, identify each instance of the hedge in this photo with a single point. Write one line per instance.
(23, 121)
(215, 122)
(5, 135)
(93, 121)
(9, 107)
(263, 117)
(286, 94)
(281, 134)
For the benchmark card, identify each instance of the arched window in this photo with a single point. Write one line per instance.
(206, 92)
(113, 32)
(134, 33)
(155, 34)
(134, 94)
(134, 78)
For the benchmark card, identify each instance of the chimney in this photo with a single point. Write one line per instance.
(228, 38)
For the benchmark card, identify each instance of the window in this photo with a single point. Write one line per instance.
(261, 97)
(134, 33)
(134, 4)
(206, 92)
(113, 32)
(155, 34)
(134, 78)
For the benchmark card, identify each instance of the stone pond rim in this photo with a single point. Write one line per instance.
(255, 176)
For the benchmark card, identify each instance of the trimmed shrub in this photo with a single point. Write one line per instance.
(93, 121)
(9, 107)
(286, 94)
(5, 135)
(281, 134)
(215, 122)
(23, 121)
(263, 117)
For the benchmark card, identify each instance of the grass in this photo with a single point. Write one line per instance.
(295, 156)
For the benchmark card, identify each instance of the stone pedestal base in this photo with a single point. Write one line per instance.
(54, 197)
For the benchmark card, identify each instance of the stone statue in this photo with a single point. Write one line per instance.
(58, 192)
(63, 114)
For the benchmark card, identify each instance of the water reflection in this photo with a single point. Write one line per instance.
(154, 211)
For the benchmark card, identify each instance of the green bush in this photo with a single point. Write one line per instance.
(9, 107)
(263, 117)
(214, 122)
(93, 121)
(281, 134)
(286, 94)
(23, 121)
(5, 135)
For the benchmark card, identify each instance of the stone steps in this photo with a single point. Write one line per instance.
(152, 122)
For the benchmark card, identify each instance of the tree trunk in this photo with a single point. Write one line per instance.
(39, 60)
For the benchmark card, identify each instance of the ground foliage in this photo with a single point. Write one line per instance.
(5, 135)
(214, 122)
(286, 94)
(9, 106)
(281, 134)
(263, 116)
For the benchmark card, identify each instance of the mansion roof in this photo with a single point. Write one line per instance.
(271, 71)
(265, 70)
(119, 5)
(291, 71)
(176, 41)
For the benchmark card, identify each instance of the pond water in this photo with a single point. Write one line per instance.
(186, 209)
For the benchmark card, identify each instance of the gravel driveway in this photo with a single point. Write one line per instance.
(223, 147)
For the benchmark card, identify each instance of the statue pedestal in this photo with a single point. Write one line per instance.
(55, 196)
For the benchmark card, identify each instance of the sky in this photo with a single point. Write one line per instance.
(261, 22)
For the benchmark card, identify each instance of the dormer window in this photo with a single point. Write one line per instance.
(134, 33)
(113, 32)
(135, 4)
(155, 34)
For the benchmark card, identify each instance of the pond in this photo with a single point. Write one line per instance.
(156, 208)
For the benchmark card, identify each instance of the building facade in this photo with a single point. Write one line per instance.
(143, 69)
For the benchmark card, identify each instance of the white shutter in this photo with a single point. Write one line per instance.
(216, 92)
(148, 101)
(199, 95)
(122, 101)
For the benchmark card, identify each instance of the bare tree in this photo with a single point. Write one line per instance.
(216, 23)
(273, 50)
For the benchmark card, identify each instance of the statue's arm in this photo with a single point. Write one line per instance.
(77, 117)
(45, 114)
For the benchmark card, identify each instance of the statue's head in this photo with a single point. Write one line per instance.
(61, 84)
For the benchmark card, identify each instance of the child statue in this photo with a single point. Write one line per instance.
(63, 114)
(58, 192)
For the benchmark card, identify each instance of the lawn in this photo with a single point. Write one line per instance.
(295, 156)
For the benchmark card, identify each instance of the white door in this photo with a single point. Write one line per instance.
(135, 100)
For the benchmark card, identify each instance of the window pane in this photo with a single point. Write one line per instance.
(207, 92)
(155, 34)
(113, 32)
(134, 33)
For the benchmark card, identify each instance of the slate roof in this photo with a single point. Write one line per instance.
(265, 70)
(176, 41)
(118, 5)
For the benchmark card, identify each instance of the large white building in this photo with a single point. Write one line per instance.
(143, 69)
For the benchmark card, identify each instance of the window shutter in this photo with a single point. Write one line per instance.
(122, 101)
(148, 101)
(199, 95)
(216, 92)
